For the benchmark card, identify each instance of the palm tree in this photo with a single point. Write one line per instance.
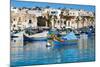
(90, 19)
(68, 18)
(77, 21)
(55, 18)
(83, 20)
(48, 20)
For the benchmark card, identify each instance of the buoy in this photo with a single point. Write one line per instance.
(48, 44)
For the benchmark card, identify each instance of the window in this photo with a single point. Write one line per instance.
(65, 22)
(30, 21)
(14, 19)
(68, 23)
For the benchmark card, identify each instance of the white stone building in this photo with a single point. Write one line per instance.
(23, 18)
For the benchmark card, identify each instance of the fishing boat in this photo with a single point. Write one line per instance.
(58, 44)
(89, 31)
(69, 39)
(36, 37)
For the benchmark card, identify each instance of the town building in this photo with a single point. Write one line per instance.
(22, 18)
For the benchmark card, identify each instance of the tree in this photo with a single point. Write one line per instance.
(77, 21)
(90, 20)
(83, 20)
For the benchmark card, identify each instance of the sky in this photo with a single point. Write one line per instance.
(29, 4)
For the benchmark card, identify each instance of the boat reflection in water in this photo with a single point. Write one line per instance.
(36, 52)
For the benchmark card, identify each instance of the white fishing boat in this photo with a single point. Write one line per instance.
(36, 37)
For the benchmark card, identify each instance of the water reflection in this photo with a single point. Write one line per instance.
(37, 52)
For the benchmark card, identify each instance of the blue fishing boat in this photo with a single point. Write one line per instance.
(58, 44)
(90, 31)
(69, 39)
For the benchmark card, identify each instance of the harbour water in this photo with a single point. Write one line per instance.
(33, 53)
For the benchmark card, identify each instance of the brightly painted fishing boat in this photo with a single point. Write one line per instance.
(57, 42)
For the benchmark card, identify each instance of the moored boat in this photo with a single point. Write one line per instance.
(69, 39)
(36, 37)
(58, 44)
(30, 39)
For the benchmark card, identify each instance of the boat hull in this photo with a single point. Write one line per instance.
(58, 44)
(30, 39)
